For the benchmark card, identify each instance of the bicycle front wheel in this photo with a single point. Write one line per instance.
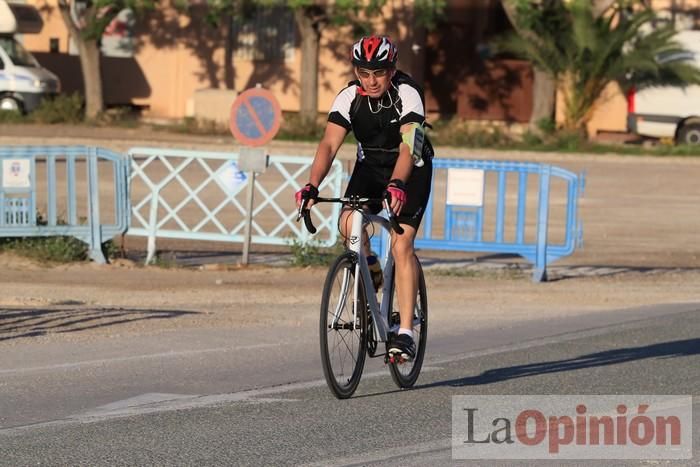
(343, 327)
(405, 374)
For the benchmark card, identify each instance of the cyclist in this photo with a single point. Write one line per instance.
(384, 108)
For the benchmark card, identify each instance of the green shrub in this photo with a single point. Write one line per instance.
(547, 126)
(196, 126)
(312, 254)
(458, 132)
(10, 116)
(569, 141)
(61, 109)
(530, 139)
(510, 273)
(294, 129)
(60, 249)
(122, 116)
(111, 250)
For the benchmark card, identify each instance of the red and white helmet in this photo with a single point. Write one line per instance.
(374, 52)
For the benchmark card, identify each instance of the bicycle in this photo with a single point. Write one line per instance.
(353, 323)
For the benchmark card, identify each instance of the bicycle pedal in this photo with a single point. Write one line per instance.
(395, 358)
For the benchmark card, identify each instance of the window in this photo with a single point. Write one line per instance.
(17, 53)
(267, 36)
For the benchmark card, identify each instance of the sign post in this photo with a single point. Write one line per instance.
(255, 120)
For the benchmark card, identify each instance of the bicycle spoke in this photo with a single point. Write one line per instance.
(344, 337)
(406, 374)
(345, 356)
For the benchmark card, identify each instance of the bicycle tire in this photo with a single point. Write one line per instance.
(343, 345)
(406, 374)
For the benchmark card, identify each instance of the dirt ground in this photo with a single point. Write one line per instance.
(641, 219)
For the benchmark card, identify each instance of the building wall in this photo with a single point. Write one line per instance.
(53, 28)
(460, 77)
(176, 55)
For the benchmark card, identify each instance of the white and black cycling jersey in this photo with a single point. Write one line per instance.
(376, 123)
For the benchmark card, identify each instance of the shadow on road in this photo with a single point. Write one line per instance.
(682, 348)
(18, 323)
(513, 264)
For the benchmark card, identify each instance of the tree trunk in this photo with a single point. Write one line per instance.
(89, 52)
(543, 99)
(309, 29)
(92, 76)
(576, 115)
(544, 88)
(228, 51)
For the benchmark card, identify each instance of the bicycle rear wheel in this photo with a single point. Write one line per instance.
(343, 335)
(405, 374)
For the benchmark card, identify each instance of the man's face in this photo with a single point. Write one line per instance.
(374, 82)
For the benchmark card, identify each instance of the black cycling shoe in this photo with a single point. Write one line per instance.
(404, 346)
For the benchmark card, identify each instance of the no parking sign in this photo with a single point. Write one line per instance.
(254, 121)
(255, 117)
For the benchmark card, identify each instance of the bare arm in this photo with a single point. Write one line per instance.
(328, 147)
(333, 137)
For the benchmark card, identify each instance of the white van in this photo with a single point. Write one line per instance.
(669, 112)
(23, 82)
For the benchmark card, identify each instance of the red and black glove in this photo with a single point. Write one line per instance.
(396, 194)
(307, 192)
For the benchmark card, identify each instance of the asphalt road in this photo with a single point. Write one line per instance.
(261, 402)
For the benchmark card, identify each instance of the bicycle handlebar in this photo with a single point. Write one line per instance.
(306, 213)
(354, 202)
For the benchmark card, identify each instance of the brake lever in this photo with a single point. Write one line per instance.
(306, 214)
(392, 218)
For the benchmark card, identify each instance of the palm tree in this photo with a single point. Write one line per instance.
(583, 51)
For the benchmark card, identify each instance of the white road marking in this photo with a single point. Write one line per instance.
(173, 402)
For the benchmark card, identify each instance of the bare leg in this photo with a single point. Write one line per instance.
(346, 228)
(406, 277)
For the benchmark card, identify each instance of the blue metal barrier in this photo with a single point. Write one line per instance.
(42, 193)
(481, 206)
(476, 211)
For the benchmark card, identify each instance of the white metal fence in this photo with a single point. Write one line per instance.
(198, 195)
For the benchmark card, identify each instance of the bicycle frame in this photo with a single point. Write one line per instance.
(335, 320)
(380, 313)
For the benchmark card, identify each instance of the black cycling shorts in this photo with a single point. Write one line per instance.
(370, 181)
